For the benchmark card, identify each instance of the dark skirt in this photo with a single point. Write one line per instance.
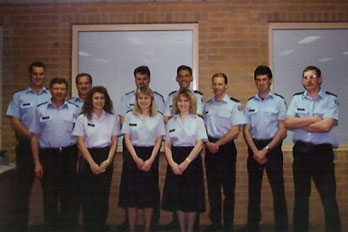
(138, 188)
(184, 192)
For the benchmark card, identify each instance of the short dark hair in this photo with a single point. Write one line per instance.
(36, 64)
(58, 80)
(87, 107)
(142, 70)
(83, 75)
(312, 68)
(223, 75)
(263, 70)
(183, 67)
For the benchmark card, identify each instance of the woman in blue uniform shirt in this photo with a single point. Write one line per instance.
(97, 130)
(143, 129)
(184, 187)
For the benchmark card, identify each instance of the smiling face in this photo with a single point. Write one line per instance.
(83, 85)
(219, 86)
(37, 77)
(183, 104)
(58, 91)
(144, 102)
(263, 83)
(184, 79)
(142, 80)
(98, 101)
(311, 81)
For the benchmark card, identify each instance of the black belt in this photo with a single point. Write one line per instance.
(59, 149)
(312, 145)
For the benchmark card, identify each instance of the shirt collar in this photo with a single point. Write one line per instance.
(30, 90)
(50, 105)
(96, 118)
(270, 95)
(320, 95)
(225, 99)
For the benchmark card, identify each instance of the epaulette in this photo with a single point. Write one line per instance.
(172, 92)
(196, 91)
(72, 104)
(129, 111)
(158, 93)
(233, 99)
(160, 112)
(327, 92)
(42, 103)
(279, 95)
(129, 92)
(209, 100)
(251, 98)
(299, 93)
(17, 91)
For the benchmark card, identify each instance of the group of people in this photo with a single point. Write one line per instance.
(70, 145)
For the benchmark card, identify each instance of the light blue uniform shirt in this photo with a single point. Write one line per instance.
(169, 102)
(143, 131)
(77, 101)
(185, 133)
(97, 132)
(263, 115)
(220, 117)
(128, 101)
(55, 125)
(23, 104)
(325, 105)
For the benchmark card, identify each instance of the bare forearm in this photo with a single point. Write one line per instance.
(248, 139)
(324, 125)
(19, 127)
(113, 148)
(35, 149)
(230, 135)
(292, 122)
(195, 151)
(84, 151)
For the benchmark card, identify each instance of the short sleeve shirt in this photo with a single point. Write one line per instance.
(23, 104)
(220, 117)
(55, 125)
(263, 115)
(325, 105)
(185, 133)
(97, 132)
(143, 131)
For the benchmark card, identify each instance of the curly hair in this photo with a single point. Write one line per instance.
(87, 107)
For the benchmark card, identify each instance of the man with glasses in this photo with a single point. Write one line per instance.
(313, 115)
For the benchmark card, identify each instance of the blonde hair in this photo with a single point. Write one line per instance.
(148, 92)
(190, 96)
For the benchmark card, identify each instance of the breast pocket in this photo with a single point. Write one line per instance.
(69, 122)
(26, 106)
(301, 111)
(271, 114)
(223, 117)
(46, 122)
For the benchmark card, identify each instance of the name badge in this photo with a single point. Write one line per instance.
(251, 110)
(45, 118)
(172, 130)
(90, 124)
(300, 109)
(132, 124)
(206, 112)
(26, 105)
(131, 104)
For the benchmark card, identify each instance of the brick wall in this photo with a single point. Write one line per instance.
(233, 38)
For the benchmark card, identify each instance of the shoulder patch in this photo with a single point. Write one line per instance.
(299, 93)
(327, 92)
(196, 91)
(155, 92)
(72, 104)
(279, 95)
(42, 103)
(172, 92)
(251, 98)
(129, 92)
(234, 99)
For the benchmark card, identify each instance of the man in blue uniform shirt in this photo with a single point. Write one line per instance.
(264, 132)
(223, 117)
(55, 154)
(313, 115)
(20, 111)
(83, 84)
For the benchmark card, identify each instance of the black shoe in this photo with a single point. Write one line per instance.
(124, 226)
(170, 226)
(244, 229)
(214, 227)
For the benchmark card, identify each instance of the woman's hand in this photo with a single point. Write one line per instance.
(139, 162)
(147, 165)
(175, 168)
(95, 168)
(183, 166)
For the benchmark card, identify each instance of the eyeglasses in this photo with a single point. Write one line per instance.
(310, 77)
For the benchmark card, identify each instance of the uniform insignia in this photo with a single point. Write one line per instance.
(129, 92)
(172, 130)
(131, 104)
(158, 94)
(240, 108)
(73, 104)
(132, 124)
(26, 104)
(279, 95)
(300, 109)
(206, 112)
(200, 93)
(251, 110)
(336, 101)
(42, 103)
(251, 98)
(128, 111)
(234, 99)
(172, 92)
(327, 92)
(299, 93)
(45, 117)
(160, 112)
(90, 124)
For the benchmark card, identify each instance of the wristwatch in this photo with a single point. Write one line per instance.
(268, 148)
